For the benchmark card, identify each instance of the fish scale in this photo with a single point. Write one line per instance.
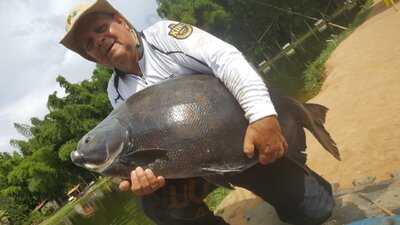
(191, 127)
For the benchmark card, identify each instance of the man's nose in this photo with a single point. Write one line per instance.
(103, 43)
(99, 41)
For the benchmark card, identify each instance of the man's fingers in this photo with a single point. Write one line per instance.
(249, 150)
(248, 145)
(271, 153)
(136, 186)
(125, 185)
(280, 154)
(263, 159)
(285, 145)
(282, 150)
(161, 181)
(266, 155)
(144, 182)
(278, 151)
(265, 136)
(152, 179)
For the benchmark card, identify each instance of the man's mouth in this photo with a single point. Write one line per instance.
(110, 47)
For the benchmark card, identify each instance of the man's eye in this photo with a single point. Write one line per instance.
(101, 29)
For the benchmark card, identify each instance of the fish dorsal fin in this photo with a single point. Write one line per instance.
(144, 157)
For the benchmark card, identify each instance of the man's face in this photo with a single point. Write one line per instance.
(108, 39)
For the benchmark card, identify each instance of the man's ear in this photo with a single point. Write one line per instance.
(120, 20)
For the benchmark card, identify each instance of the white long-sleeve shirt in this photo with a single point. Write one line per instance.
(173, 49)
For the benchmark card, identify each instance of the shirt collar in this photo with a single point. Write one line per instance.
(120, 73)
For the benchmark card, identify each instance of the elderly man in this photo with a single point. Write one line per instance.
(168, 49)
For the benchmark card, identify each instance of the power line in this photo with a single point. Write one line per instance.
(299, 14)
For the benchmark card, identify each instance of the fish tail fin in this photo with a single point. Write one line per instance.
(317, 111)
(315, 117)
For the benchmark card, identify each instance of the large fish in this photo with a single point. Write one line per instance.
(190, 127)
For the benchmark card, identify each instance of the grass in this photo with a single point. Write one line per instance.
(66, 209)
(314, 75)
(3, 214)
(216, 197)
(212, 200)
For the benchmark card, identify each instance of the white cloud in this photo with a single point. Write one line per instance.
(32, 57)
(32, 105)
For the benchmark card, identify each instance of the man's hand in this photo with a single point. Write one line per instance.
(143, 182)
(265, 136)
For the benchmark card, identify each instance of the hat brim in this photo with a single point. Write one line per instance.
(69, 41)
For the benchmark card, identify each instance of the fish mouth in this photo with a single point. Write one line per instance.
(110, 159)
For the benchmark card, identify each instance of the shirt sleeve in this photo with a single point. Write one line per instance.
(226, 62)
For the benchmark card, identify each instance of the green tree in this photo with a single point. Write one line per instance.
(261, 28)
(42, 170)
(15, 211)
(257, 27)
(206, 14)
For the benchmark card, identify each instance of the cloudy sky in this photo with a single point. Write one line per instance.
(31, 57)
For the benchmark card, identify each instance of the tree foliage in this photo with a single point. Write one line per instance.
(261, 29)
(256, 27)
(206, 14)
(42, 170)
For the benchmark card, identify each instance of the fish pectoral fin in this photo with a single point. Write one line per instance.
(122, 122)
(219, 181)
(143, 157)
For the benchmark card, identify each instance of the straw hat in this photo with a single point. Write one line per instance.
(76, 14)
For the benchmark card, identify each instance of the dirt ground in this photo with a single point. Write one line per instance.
(362, 91)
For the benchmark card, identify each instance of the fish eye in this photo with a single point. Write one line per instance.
(87, 140)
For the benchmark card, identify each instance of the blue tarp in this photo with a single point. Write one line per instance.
(392, 220)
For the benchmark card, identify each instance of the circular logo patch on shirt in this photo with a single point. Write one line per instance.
(180, 30)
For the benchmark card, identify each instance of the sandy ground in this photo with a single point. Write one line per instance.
(362, 91)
